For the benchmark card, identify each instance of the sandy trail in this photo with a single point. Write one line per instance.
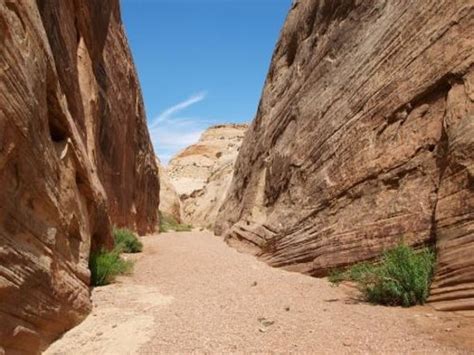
(191, 293)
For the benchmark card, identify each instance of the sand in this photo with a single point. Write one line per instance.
(191, 293)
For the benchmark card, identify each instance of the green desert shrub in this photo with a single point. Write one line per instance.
(126, 241)
(401, 278)
(105, 266)
(168, 223)
(355, 273)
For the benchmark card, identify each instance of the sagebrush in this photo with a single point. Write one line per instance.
(401, 278)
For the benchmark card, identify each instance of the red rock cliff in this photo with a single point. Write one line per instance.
(364, 137)
(75, 158)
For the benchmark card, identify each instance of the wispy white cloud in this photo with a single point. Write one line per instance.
(166, 114)
(171, 132)
(174, 139)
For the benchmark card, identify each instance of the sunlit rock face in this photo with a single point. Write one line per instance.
(170, 203)
(202, 172)
(364, 138)
(75, 159)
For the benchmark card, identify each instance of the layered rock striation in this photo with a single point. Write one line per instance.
(202, 172)
(364, 138)
(75, 158)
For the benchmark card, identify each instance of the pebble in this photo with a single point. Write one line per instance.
(266, 322)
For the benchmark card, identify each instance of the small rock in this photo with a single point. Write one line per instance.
(346, 343)
(287, 308)
(99, 334)
(448, 330)
(254, 284)
(266, 322)
(114, 326)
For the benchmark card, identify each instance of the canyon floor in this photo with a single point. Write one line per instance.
(191, 293)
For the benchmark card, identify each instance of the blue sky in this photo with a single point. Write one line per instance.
(200, 62)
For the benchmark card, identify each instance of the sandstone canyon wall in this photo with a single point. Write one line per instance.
(202, 172)
(75, 158)
(170, 202)
(364, 137)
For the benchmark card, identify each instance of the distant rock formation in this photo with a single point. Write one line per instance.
(364, 138)
(75, 158)
(202, 172)
(169, 198)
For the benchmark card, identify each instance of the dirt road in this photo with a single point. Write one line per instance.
(191, 293)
